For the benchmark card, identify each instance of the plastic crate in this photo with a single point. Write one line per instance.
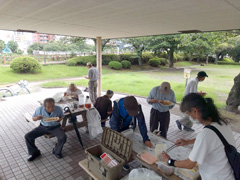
(115, 144)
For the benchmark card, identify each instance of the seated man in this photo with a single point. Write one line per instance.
(125, 112)
(73, 90)
(49, 109)
(104, 105)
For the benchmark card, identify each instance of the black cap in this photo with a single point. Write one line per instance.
(202, 74)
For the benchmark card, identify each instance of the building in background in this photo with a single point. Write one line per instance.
(42, 38)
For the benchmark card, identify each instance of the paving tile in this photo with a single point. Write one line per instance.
(13, 151)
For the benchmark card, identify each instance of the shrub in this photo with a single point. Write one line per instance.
(71, 62)
(115, 65)
(228, 63)
(227, 59)
(30, 51)
(179, 56)
(133, 58)
(81, 60)
(146, 56)
(106, 58)
(25, 64)
(163, 61)
(72, 55)
(126, 64)
(154, 61)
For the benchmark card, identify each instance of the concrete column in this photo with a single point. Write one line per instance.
(99, 64)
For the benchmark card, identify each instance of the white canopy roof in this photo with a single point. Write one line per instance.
(118, 18)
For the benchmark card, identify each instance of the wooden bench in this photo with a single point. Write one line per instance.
(28, 117)
(65, 125)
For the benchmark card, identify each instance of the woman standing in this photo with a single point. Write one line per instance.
(208, 150)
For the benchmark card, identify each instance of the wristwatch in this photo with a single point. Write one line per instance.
(171, 162)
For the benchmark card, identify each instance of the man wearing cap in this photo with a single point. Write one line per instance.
(125, 113)
(191, 87)
(93, 76)
(104, 105)
(159, 114)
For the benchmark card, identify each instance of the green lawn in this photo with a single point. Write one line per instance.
(217, 85)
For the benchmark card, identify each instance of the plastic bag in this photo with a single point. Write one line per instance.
(143, 174)
(58, 96)
(94, 123)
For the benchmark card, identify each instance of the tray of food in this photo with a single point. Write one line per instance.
(51, 119)
(166, 103)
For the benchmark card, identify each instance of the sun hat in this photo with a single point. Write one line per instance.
(131, 105)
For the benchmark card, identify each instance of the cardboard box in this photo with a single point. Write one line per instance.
(114, 144)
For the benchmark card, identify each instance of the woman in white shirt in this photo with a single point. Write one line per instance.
(208, 150)
(73, 91)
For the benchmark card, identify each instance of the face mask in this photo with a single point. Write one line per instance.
(194, 121)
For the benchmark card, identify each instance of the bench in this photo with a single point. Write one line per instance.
(28, 117)
(65, 126)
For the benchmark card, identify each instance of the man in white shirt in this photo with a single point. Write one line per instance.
(192, 87)
(73, 91)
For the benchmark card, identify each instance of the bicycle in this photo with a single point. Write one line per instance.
(14, 90)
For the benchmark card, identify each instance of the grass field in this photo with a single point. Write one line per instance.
(137, 81)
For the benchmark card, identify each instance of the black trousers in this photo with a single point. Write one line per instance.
(40, 131)
(160, 119)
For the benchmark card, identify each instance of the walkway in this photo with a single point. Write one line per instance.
(13, 152)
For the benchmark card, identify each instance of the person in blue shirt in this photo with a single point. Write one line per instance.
(48, 110)
(160, 115)
(125, 113)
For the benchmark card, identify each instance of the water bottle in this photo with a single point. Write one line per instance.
(81, 100)
(88, 102)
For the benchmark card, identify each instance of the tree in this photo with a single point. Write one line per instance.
(2, 45)
(234, 52)
(37, 46)
(30, 51)
(139, 44)
(104, 42)
(13, 46)
(168, 43)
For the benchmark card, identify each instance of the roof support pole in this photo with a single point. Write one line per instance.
(99, 64)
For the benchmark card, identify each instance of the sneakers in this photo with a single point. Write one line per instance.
(126, 167)
(188, 129)
(179, 125)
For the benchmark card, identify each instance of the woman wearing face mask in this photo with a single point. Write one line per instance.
(208, 150)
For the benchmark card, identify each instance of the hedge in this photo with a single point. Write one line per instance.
(163, 61)
(115, 65)
(227, 59)
(126, 64)
(154, 61)
(133, 58)
(25, 64)
(106, 58)
(81, 60)
(228, 63)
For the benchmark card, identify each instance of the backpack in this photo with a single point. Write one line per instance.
(231, 152)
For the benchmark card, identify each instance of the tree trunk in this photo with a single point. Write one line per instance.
(191, 57)
(139, 53)
(171, 58)
(207, 59)
(198, 59)
(216, 60)
(233, 100)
